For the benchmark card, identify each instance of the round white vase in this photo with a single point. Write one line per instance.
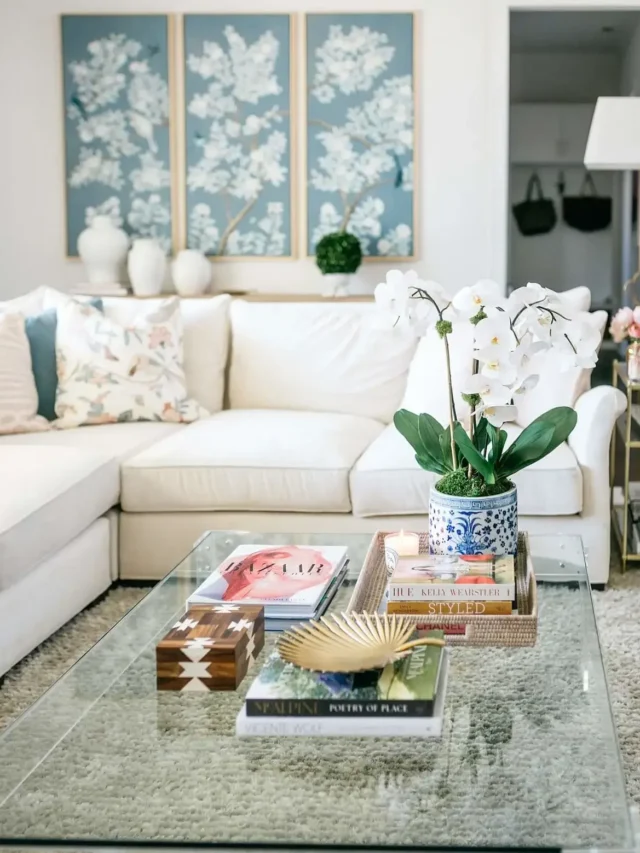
(191, 273)
(147, 266)
(103, 250)
(335, 284)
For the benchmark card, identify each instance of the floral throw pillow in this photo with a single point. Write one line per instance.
(108, 373)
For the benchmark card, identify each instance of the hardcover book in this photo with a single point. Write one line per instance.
(451, 608)
(351, 726)
(468, 577)
(285, 624)
(404, 689)
(288, 580)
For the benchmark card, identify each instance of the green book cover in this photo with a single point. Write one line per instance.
(415, 677)
(282, 689)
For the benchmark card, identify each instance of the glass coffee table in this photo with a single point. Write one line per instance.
(528, 757)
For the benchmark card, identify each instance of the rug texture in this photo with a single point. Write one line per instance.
(390, 794)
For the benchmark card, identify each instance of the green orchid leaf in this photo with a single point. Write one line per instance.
(528, 447)
(430, 430)
(447, 456)
(556, 425)
(427, 462)
(497, 437)
(423, 433)
(476, 460)
(480, 435)
(406, 423)
(445, 447)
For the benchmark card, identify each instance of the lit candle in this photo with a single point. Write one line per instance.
(403, 544)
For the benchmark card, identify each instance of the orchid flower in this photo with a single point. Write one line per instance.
(496, 363)
(499, 415)
(469, 301)
(494, 332)
(490, 390)
(508, 335)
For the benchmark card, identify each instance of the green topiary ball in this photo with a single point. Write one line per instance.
(338, 253)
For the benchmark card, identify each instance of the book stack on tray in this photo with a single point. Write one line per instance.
(456, 585)
(405, 699)
(292, 582)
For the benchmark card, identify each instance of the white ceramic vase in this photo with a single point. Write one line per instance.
(147, 266)
(103, 250)
(335, 284)
(460, 525)
(191, 273)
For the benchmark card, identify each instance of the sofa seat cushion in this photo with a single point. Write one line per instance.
(387, 480)
(49, 496)
(251, 460)
(113, 441)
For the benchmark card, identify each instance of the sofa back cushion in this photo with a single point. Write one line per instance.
(206, 340)
(321, 357)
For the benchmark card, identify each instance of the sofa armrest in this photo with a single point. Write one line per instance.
(598, 410)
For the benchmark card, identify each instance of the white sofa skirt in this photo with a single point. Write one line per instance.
(54, 592)
(151, 544)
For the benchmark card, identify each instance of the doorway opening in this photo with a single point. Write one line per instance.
(560, 63)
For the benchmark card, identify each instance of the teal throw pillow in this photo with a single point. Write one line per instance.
(41, 332)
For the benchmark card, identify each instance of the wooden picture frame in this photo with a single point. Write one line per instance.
(259, 214)
(369, 234)
(118, 141)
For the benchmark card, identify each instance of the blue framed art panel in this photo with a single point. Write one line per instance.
(238, 135)
(116, 72)
(360, 130)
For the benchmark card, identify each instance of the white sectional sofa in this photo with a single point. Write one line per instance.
(299, 437)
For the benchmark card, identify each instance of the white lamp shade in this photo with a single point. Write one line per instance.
(614, 137)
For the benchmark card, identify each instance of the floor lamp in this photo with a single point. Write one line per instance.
(614, 142)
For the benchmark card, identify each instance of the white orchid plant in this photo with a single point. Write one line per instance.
(473, 459)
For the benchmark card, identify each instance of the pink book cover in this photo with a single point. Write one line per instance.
(285, 574)
(432, 569)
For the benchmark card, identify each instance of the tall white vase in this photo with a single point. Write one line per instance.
(103, 250)
(191, 272)
(147, 267)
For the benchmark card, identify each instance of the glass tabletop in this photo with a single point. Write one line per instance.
(528, 756)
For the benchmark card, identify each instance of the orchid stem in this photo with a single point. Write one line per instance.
(452, 406)
(472, 418)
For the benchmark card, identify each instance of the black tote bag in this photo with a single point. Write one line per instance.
(588, 211)
(535, 215)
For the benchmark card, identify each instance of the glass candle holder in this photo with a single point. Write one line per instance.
(402, 544)
(633, 361)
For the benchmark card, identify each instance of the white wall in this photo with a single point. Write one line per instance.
(563, 78)
(630, 77)
(464, 50)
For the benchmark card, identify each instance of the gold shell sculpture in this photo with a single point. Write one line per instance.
(351, 642)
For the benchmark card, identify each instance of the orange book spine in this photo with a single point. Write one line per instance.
(451, 608)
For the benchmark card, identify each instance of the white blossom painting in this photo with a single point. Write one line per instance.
(238, 134)
(117, 138)
(360, 130)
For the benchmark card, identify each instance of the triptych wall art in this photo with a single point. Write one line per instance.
(185, 129)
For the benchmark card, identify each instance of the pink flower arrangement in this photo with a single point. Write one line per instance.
(626, 324)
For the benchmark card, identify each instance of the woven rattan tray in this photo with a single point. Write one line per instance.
(517, 630)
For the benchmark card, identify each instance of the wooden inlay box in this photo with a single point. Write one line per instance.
(210, 648)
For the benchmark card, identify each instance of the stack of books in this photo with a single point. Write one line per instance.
(405, 699)
(456, 585)
(292, 582)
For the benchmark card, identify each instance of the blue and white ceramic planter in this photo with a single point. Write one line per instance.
(473, 525)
